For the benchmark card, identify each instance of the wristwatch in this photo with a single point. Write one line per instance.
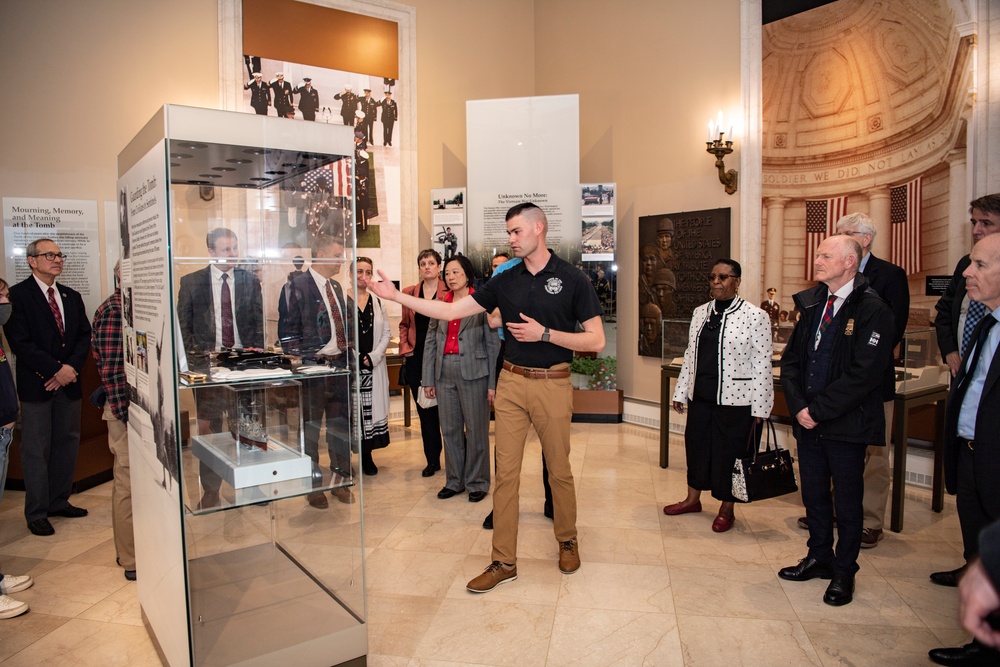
(546, 335)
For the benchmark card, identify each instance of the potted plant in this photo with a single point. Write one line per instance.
(582, 370)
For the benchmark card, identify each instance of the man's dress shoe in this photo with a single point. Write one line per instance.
(973, 654)
(808, 568)
(446, 493)
(948, 578)
(840, 591)
(41, 527)
(70, 512)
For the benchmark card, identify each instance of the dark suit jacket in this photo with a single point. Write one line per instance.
(889, 282)
(987, 468)
(390, 111)
(301, 327)
(949, 310)
(35, 340)
(196, 312)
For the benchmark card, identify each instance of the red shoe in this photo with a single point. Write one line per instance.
(723, 523)
(681, 508)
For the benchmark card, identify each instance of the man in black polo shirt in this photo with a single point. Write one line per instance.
(542, 300)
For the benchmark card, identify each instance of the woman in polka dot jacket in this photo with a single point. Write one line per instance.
(726, 384)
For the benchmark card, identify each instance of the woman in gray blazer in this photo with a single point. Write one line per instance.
(459, 358)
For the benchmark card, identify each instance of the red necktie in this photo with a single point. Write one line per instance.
(827, 318)
(55, 312)
(226, 300)
(338, 319)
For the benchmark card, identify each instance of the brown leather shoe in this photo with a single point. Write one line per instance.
(318, 500)
(569, 557)
(870, 537)
(343, 494)
(496, 573)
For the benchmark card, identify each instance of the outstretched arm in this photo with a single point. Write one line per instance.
(434, 308)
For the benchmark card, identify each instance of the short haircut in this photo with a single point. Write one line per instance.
(987, 204)
(863, 222)
(217, 234)
(503, 254)
(324, 241)
(855, 248)
(466, 265)
(429, 252)
(732, 264)
(32, 249)
(530, 211)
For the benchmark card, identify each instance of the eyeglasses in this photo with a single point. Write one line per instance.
(51, 256)
(721, 276)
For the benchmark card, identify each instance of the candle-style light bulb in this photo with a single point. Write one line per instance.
(711, 130)
(719, 126)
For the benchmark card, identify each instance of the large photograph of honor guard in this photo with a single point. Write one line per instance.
(676, 252)
(321, 204)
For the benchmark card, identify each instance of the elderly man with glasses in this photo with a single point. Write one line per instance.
(49, 333)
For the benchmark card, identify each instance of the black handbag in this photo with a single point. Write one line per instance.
(764, 474)
(401, 380)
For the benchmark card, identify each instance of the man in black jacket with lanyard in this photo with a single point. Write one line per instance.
(541, 301)
(831, 372)
(972, 443)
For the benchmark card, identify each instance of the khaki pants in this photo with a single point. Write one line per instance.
(121, 491)
(877, 477)
(548, 406)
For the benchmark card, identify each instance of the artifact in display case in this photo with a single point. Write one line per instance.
(258, 445)
(919, 364)
(673, 340)
(236, 230)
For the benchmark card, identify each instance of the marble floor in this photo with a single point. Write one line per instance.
(653, 590)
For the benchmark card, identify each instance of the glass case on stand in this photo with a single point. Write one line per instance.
(919, 364)
(237, 232)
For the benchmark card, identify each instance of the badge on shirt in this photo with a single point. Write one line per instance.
(873, 341)
(553, 286)
(849, 331)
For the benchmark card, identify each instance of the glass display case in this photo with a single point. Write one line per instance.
(236, 237)
(919, 364)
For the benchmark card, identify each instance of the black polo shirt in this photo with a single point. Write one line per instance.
(560, 297)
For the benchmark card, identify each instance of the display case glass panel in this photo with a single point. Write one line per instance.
(241, 346)
(919, 364)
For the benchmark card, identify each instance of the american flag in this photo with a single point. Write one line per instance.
(821, 217)
(904, 214)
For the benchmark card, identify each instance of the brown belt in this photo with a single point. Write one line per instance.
(535, 373)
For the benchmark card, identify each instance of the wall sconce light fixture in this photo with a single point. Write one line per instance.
(720, 146)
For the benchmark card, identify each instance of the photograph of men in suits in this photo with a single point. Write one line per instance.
(282, 91)
(308, 99)
(49, 333)
(369, 106)
(348, 104)
(390, 113)
(260, 94)
(771, 307)
(972, 425)
(219, 306)
(316, 325)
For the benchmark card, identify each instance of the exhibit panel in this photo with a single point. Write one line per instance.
(240, 359)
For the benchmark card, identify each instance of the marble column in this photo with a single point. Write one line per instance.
(878, 211)
(959, 232)
(774, 244)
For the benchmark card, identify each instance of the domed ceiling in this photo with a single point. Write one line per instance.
(858, 81)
